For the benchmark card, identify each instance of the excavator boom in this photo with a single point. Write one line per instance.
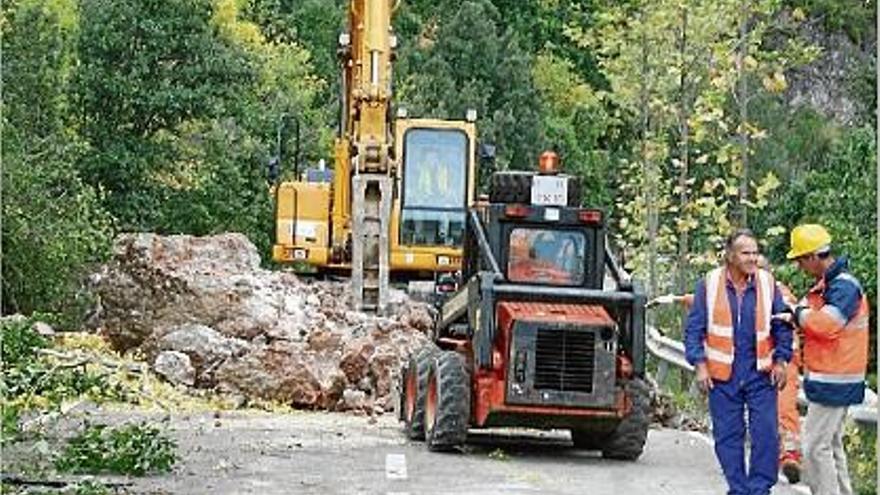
(399, 188)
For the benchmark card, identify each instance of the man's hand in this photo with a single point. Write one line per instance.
(785, 317)
(704, 381)
(664, 299)
(777, 374)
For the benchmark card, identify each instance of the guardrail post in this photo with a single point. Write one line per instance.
(662, 370)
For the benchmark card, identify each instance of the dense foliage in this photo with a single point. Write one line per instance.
(160, 116)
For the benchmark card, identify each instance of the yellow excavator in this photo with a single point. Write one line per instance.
(400, 187)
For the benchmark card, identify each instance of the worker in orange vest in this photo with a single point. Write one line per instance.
(789, 414)
(834, 319)
(740, 355)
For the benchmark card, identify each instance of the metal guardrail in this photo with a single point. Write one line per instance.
(671, 353)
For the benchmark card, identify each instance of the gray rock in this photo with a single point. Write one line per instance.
(175, 367)
(354, 400)
(43, 329)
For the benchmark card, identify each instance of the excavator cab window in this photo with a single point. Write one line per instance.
(546, 256)
(434, 187)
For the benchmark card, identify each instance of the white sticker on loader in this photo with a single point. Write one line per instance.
(549, 190)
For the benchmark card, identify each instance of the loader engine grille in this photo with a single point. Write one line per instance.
(565, 360)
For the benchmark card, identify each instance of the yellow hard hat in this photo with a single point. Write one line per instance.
(808, 238)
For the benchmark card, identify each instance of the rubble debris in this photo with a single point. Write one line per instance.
(175, 367)
(249, 331)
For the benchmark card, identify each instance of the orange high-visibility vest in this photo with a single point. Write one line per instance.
(719, 332)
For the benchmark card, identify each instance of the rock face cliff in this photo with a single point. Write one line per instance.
(841, 81)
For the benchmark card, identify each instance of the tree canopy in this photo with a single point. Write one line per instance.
(680, 117)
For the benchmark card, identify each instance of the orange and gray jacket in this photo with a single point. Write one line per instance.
(834, 317)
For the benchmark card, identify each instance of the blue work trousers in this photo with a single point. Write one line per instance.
(727, 403)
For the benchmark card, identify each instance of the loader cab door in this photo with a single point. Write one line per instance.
(435, 178)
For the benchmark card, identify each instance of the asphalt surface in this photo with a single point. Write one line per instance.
(321, 453)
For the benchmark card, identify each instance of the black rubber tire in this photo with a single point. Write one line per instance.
(588, 440)
(452, 404)
(574, 191)
(513, 186)
(419, 366)
(627, 441)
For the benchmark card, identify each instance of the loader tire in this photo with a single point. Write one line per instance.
(414, 389)
(447, 403)
(511, 187)
(588, 439)
(627, 441)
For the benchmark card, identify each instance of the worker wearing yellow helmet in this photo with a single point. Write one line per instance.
(834, 319)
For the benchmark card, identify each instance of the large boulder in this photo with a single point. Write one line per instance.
(250, 331)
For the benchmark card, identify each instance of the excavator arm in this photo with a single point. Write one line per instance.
(364, 162)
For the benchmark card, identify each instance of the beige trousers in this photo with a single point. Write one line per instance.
(825, 469)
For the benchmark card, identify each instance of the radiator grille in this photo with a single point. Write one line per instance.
(565, 360)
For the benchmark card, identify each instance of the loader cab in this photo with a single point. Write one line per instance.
(540, 245)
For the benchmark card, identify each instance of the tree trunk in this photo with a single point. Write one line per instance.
(649, 177)
(684, 135)
(742, 100)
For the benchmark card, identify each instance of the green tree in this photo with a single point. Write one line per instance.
(466, 61)
(684, 75)
(576, 124)
(146, 68)
(53, 224)
(179, 105)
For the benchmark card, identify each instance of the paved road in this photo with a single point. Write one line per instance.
(319, 453)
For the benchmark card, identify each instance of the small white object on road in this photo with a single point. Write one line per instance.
(395, 466)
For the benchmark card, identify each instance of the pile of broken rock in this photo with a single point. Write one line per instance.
(204, 314)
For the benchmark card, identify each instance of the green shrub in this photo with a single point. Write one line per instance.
(861, 448)
(89, 487)
(53, 225)
(19, 342)
(132, 449)
(10, 417)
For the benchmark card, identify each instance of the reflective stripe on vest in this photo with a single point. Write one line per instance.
(719, 332)
(834, 377)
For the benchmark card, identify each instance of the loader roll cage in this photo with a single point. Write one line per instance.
(471, 311)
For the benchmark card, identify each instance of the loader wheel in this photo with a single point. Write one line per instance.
(588, 439)
(511, 187)
(415, 381)
(627, 441)
(448, 403)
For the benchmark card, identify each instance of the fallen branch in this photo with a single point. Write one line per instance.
(90, 359)
(12, 479)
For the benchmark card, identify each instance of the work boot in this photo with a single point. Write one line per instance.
(791, 465)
